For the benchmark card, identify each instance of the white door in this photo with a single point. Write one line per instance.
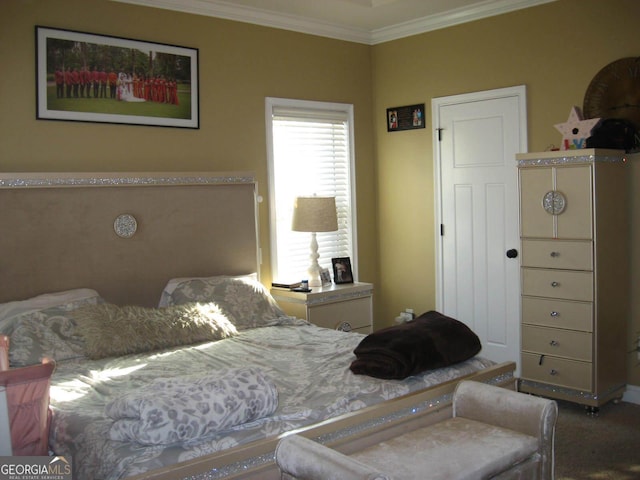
(476, 139)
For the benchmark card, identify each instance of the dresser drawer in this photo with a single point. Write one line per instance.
(563, 284)
(557, 342)
(557, 371)
(558, 313)
(567, 255)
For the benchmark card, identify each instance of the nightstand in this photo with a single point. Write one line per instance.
(347, 306)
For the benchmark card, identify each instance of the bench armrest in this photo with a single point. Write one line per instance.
(303, 459)
(505, 408)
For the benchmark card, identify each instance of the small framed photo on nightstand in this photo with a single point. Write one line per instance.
(325, 276)
(342, 270)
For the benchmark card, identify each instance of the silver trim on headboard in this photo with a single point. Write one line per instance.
(17, 180)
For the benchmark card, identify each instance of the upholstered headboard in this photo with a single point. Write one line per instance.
(123, 235)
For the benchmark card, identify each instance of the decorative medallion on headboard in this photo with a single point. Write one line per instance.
(125, 225)
(62, 231)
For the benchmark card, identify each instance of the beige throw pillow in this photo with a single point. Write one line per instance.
(110, 330)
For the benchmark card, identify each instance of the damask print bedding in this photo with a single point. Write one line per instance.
(308, 365)
(188, 407)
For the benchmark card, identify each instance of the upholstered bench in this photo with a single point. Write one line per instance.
(494, 433)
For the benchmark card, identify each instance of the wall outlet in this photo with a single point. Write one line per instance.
(406, 316)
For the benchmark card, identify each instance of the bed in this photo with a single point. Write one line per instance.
(101, 271)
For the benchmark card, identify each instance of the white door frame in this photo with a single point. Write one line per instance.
(436, 103)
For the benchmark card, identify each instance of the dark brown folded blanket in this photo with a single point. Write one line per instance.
(431, 341)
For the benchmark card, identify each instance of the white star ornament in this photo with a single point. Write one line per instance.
(575, 130)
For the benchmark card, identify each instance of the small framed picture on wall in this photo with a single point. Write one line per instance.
(342, 270)
(408, 117)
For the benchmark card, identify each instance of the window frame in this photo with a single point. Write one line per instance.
(272, 103)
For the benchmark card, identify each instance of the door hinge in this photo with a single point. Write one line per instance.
(441, 230)
(439, 130)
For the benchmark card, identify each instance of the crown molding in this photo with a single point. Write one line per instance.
(296, 23)
(489, 8)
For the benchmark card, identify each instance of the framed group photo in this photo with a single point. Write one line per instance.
(342, 270)
(99, 78)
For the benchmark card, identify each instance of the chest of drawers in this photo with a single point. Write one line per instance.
(575, 274)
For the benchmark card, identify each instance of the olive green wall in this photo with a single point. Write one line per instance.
(240, 65)
(554, 49)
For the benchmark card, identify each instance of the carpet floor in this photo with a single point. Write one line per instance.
(602, 447)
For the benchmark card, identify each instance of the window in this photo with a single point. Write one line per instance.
(310, 152)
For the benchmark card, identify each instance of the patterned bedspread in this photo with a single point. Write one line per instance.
(308, 365)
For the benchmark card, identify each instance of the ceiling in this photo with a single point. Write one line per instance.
(362, 21)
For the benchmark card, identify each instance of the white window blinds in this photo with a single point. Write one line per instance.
(310, 154)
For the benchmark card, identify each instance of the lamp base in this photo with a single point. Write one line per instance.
(314, 269)
(314, 276)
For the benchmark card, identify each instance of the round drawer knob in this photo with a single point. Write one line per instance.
(345, 327)
(553, 372)
(554, 314)
(555, 254)
(555, 284)
(553, 343)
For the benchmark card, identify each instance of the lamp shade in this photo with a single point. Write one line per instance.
(314, 214)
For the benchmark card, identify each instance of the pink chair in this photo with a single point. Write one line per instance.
(27, 401)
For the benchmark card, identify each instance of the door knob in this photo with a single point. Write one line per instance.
(512, 253)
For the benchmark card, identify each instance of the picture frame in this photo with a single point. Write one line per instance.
(87, 77)
(342, 270)
(325, 276)
(408, 117)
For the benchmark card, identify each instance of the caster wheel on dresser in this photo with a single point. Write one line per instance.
(592, 411)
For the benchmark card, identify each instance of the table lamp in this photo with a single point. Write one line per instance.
(314, 214)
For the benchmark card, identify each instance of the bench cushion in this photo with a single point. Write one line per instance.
(457, 448)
